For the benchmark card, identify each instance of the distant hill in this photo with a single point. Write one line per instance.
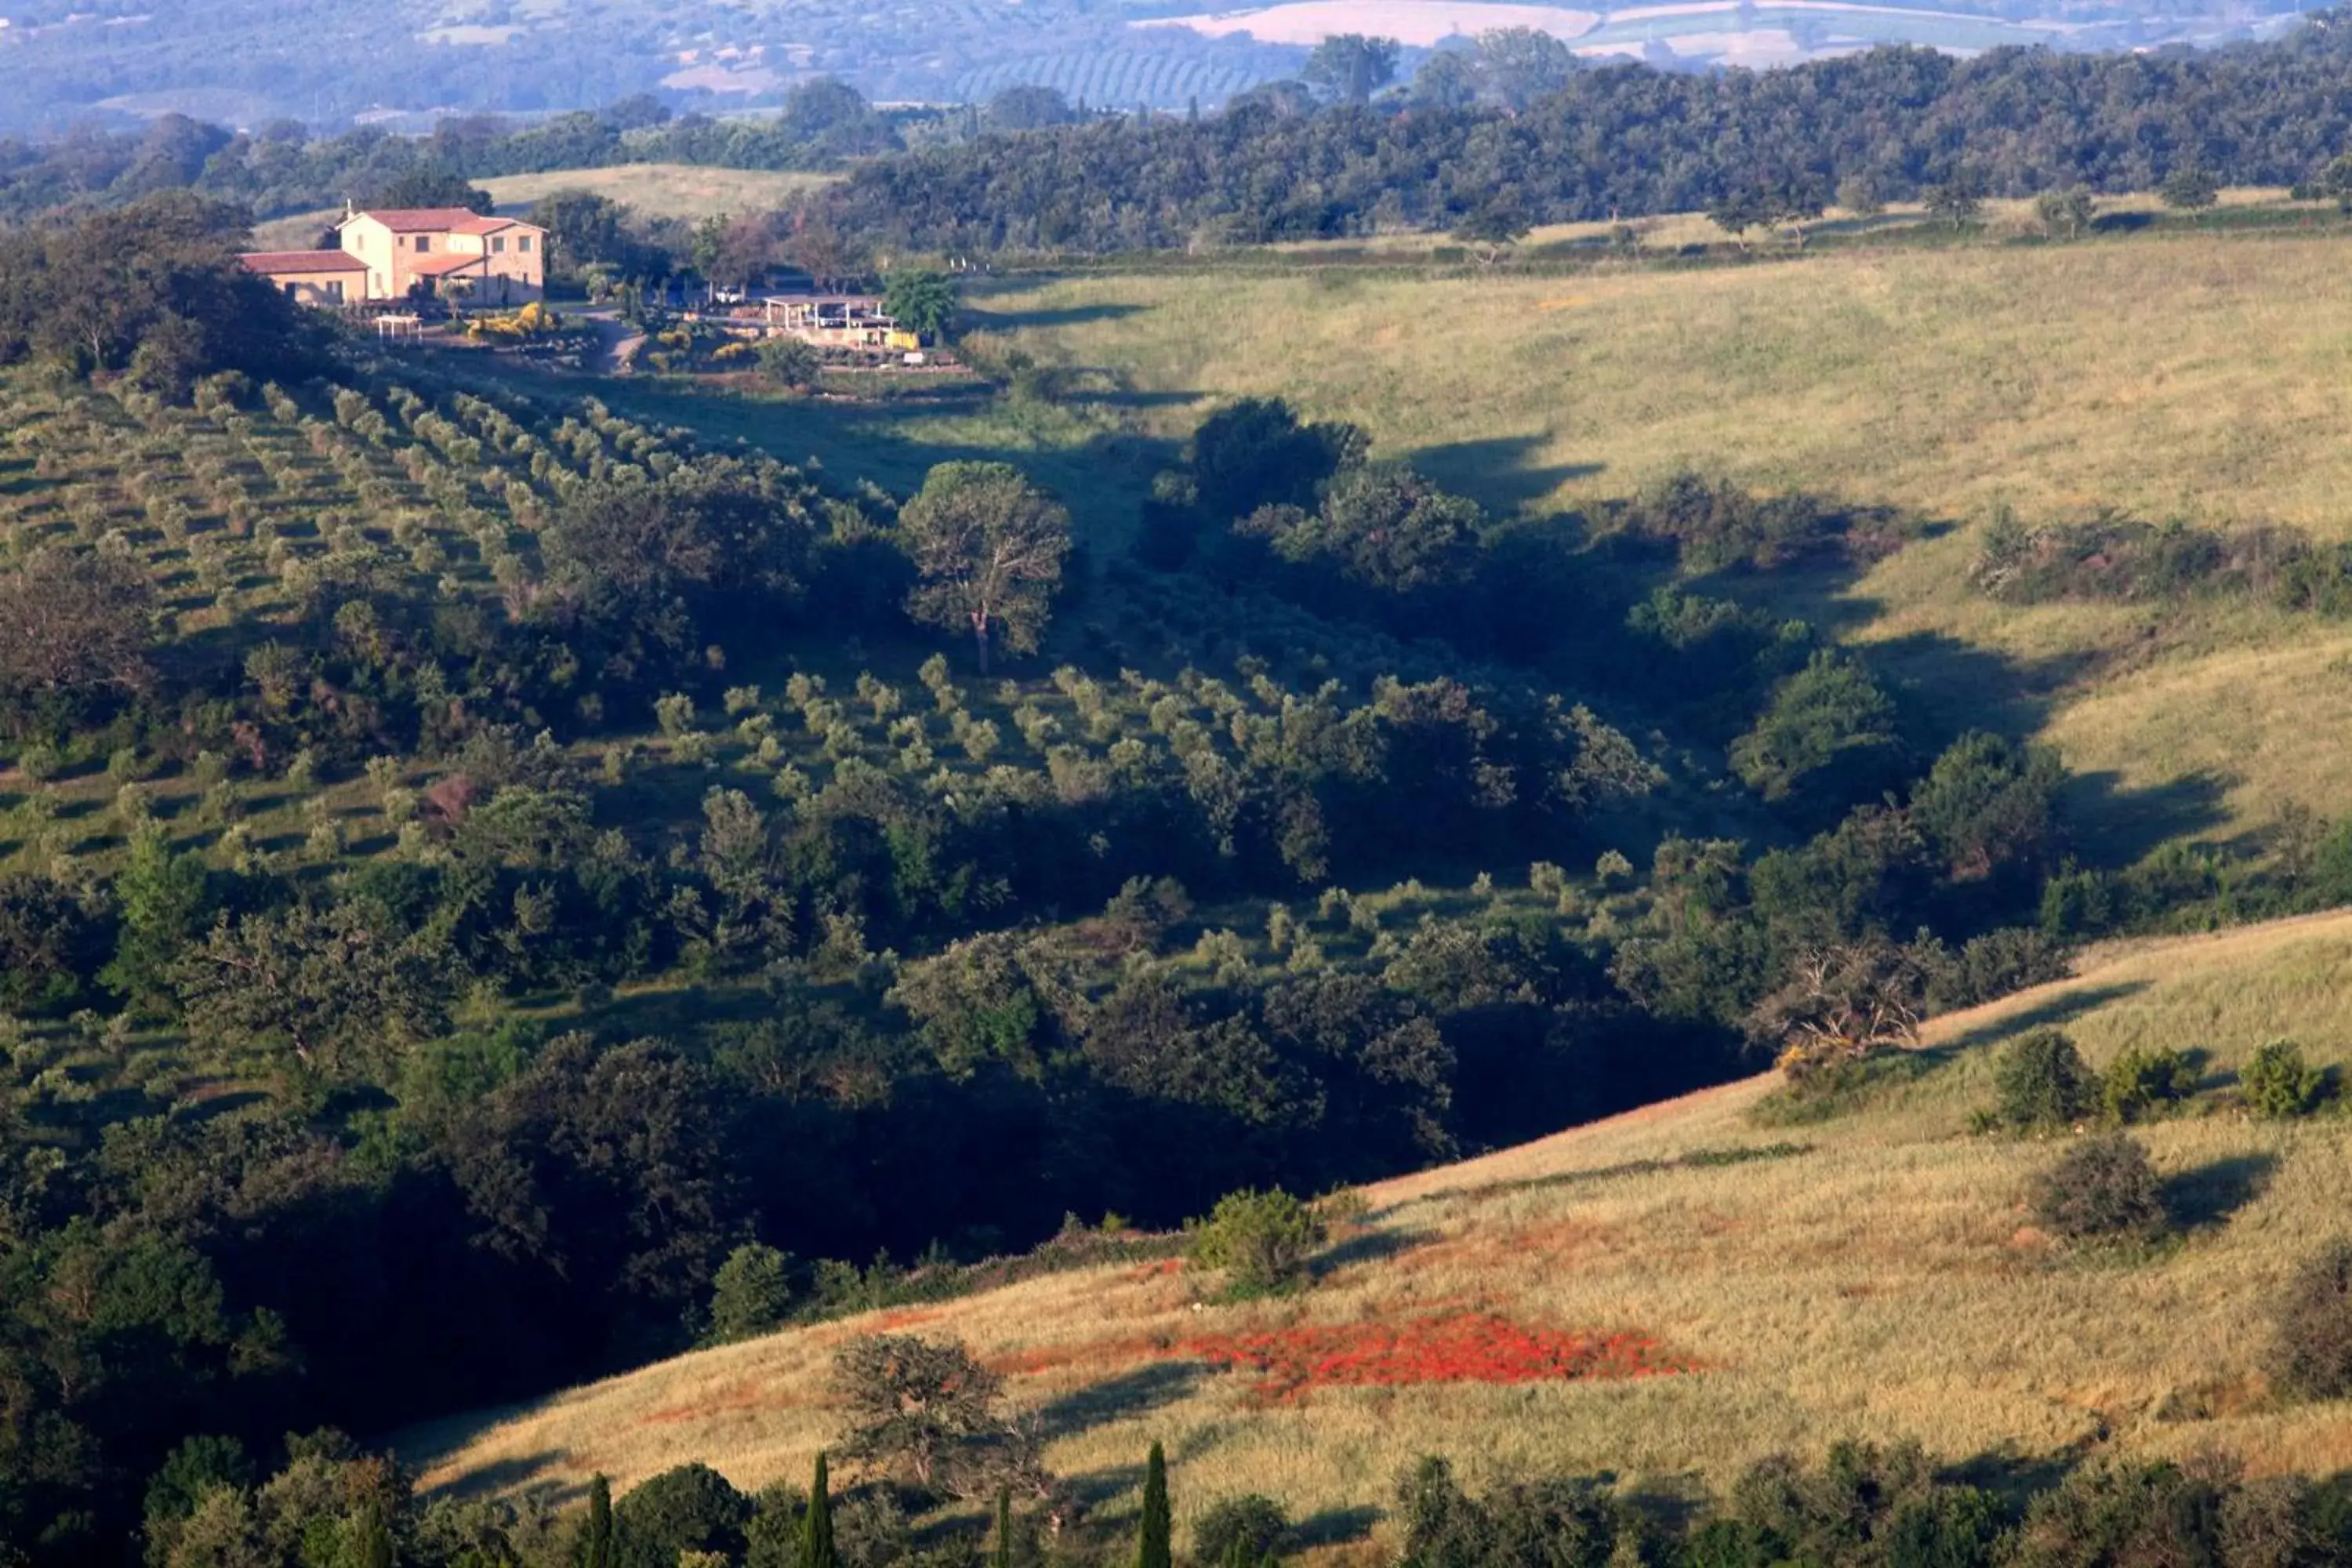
(249, 62)
(1864, 1274)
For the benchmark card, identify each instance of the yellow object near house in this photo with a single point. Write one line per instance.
(836, 321)
(532, 320)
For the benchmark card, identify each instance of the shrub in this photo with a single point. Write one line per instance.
(1261, 1240)
(2104, 1188)
(2279, 1084)
(673, 713)
(690, 1509)
(1250, 1526)
(2137, 1082)
(1998, 963)
(1562, 1521)
(2311, 1352)
(788, 361)
(750, 1294)
(2122, 1513)
(2043, 1081)
(1781, 1511)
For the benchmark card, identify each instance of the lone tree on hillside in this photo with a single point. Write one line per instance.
(1841, 1004)
(2191, 188)
(1351, 67)
(2066, 211)
(988, 546)
(1494, 226)
(929, 1414)
(1767, 205)
(1262, 1240)
(1956, 203)
(921, 302)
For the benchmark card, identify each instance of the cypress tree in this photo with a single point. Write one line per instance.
(817, 1525)
(1152, 1545)
(599, 1545)
(1004, 1556)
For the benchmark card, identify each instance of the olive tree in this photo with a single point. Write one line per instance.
(988, 547)
(932, 1414)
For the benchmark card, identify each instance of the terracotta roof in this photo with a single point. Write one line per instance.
(447, 261)
(302, 261)
(431, 220)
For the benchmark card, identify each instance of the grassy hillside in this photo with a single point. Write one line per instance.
(1866, 1276)
(653, 190)
(2170, 375)
(661, 190)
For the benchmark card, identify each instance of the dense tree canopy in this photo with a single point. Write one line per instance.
(1577, 144)
(154, 287)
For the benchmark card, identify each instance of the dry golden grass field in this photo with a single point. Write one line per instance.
(653, 190)
(1877, 1277)
(662, 190)
(2199, 376)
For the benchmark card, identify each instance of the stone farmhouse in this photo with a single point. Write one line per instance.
(411, 253)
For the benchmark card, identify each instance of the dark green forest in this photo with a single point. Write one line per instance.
(1548, 141)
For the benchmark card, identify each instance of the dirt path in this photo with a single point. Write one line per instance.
(617, 343)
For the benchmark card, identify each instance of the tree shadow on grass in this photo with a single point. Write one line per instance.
(2015, 1476)
(1333, 1527)
(2121, 825)
(2208, 1195)
(1121, 1398)
(1096, 1487)
(1672, 1503)
(1133, 397)
(1369, 1246)
(682, 1013)
(1499, 470)
(973, 320)
(524, 1472)
(2058, 1010)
